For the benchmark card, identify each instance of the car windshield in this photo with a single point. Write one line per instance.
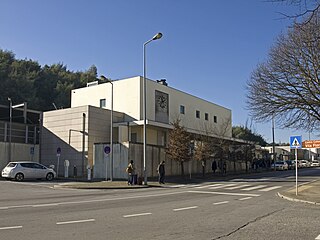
(11, 165)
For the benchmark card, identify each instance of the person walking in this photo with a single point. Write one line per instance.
(131, 171)
(214, 166)
(161, 171)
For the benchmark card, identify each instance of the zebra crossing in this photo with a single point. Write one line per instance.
(241, 186)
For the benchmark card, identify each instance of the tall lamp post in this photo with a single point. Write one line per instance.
(10, 123)
(155, 37)
(111, 128)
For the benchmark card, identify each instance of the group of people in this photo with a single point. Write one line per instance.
(223, 168)
(132, 177)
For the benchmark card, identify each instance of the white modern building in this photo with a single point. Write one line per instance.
(164, 105)
(87, 123)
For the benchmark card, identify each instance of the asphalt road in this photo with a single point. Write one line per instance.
(241, 208)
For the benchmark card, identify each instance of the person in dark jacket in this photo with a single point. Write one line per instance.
(161, 172)
(131, 172)
(214, 166)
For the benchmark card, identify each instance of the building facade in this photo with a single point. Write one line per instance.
(77, 130)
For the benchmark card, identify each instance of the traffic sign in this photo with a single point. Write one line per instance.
(107, 149)
(58, 151)
(295, 142)
(311, 144)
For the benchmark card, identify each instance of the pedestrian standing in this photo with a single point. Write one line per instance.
(214, 166)
(161, 171)
(130, 170)
(224, 168)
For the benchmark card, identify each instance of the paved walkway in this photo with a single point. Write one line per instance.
(307, 193)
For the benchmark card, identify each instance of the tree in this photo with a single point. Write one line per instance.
(245, 133)
(305, 7)
(179, 144)
(287, 84)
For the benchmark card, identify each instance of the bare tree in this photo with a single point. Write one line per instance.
(179, 144)
(287, 84)
(309, 8)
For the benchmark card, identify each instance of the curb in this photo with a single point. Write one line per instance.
(296, 199)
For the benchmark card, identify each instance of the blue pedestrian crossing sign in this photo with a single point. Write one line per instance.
(295, 142)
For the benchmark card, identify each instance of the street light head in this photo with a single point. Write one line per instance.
(157, 36)
(103, 78)
(9, 99)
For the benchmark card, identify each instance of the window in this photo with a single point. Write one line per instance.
(103, 103)
(206, 116)
(197, 114)
(215, 119)
(182, 109)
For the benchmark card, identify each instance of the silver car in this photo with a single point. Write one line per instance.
(27, 170)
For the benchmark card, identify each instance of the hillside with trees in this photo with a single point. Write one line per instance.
(39, 86)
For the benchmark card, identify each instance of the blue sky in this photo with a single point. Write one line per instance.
(209, 47)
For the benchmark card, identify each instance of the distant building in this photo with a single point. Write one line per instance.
(25, 130)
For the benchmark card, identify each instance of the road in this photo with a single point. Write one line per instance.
(241, 208)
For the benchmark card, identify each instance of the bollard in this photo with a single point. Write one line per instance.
(66, 168)
(74, 171)
(89, 172)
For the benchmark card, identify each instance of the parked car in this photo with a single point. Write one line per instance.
(27, 170)
(304, 163)
(291, 164)
(280, 165)
(315, 163)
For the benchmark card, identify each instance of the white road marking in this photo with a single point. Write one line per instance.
(177, 186)
(225, 193)
(237, 187)
(45, 205)
(186, 208)
(212, 185)
(317, 238)
(13, 227)
(254, 187)
(76, 221)
(97, 200)
(223, 186)
(137, 215)
(269, 188)
(245, 198)
(219, 203)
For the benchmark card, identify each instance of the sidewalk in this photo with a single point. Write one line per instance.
(307, 193)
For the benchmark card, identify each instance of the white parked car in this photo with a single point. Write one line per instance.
(280, 165)
(304, 163)
(27, 170)
(315, 163)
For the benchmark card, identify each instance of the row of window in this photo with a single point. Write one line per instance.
(206, 115)
(182, 111)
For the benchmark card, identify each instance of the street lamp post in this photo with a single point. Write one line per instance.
(111, 127)
(10, 127)
(156, 37)
(10, 123)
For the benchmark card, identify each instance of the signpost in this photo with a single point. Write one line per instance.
(58, 159)
(296, 142)
(107, 151)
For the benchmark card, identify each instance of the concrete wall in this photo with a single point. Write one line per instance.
(123, 153)
(19, 152)
(63, 129)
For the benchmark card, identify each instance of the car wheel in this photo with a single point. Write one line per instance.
(19, 177)
(49, 176)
